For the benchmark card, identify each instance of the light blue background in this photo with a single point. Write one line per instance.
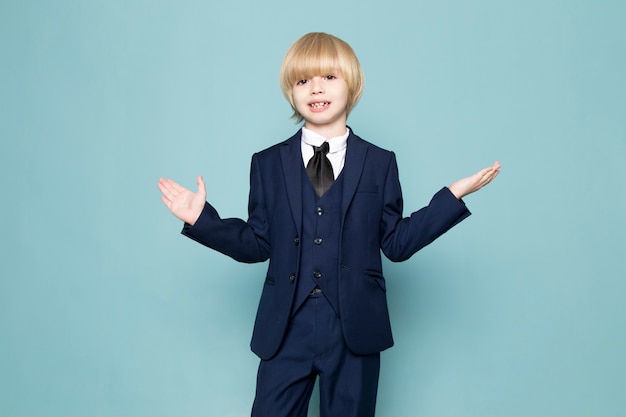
(105, 310)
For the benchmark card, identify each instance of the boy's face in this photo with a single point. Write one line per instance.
(322, 102)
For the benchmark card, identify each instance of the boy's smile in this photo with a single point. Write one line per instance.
(319, 106)
(322, 102)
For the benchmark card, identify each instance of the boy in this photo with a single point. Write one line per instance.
(322, 206)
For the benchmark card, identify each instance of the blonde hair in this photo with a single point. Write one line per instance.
(316, 54)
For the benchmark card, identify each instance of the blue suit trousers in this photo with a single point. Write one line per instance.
(314, 347)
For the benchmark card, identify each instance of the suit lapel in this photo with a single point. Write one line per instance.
(291, 157)
(355, 160)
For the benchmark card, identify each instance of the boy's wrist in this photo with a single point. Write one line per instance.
(455, 190)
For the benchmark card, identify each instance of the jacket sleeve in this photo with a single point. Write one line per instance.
(402, 237)
(244, 241)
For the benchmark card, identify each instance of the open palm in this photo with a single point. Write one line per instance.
(475, 182)
(183, 203)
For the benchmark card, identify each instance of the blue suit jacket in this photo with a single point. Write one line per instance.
(371, 221)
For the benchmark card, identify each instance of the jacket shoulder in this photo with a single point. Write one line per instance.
(372, 149)
(275, 149)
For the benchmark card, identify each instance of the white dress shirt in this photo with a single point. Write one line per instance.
(336, 154)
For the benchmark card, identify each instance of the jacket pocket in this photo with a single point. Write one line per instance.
(377, 277)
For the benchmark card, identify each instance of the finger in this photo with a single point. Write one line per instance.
(167, 198)
(166, 201)
(162, 185)
(491, 177)
(484, 172)
(201, 187)
(165, 183)
(175, 186)
(168, 190)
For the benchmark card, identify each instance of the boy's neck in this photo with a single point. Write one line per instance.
(327, 131)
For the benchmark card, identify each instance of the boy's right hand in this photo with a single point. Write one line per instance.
(183, 203)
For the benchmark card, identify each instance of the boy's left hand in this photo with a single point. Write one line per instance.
(475, 182)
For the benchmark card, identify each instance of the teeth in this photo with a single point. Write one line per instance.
(318, 105)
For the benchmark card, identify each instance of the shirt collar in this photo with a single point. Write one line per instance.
(336, 144)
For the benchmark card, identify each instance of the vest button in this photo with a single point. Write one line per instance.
(319, 211)
(317, 275)
(292, 277)
(318, 240)
(296, 241)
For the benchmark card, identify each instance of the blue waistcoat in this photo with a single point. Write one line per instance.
(321, 221)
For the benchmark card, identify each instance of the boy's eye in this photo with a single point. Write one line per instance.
(330, 77)
(302, 82)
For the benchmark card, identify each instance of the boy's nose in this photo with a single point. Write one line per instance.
(316, 87)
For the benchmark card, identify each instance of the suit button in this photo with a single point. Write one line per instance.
(317, 240)
(319, 211)
(317, 275)
(292, 277)
(296, 241)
